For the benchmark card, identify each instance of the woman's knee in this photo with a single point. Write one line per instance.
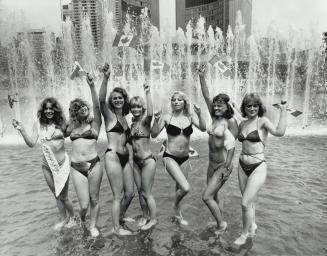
(84, 207)
(246, 204)
(129, 195)
(185, 187)
(94, 200)
(206, 197)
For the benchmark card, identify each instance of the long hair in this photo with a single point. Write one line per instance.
(74, 106)
(137, 100)
(255, 99)
(59, 119)
(123, 92)
(186, 110)
(222, 97)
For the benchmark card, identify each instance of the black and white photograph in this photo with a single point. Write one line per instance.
(163, 127)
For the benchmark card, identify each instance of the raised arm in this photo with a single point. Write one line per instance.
(149, 106)
(96, 124)
(158, 124)
(29, 140)
(103, 92)
(204, 88)
(280, 129)
(199, 122)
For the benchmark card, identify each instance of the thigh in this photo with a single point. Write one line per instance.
(242, 178)
(95, 179)
(137, 175)
(148, 173)
(114, 172)
(49, 179)
(81, 186)
(128, 178)
(175, 171)
(255, 182)
(186, 167)
(214, 183)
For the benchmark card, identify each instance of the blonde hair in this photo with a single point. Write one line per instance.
(186, 102)
(137, 100)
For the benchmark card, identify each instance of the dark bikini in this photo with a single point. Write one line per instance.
(118, 128)
(253, 137)
(175, 131)
(86, 167)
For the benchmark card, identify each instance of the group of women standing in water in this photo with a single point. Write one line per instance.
(83, 129)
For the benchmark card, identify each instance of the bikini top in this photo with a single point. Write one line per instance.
(252, 136)
(50, 133)
(88, 135)
(137, 133)
(118, 128)
(174, 130)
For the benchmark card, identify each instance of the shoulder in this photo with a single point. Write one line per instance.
(232, 122)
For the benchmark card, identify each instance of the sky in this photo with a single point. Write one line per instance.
(303, 14)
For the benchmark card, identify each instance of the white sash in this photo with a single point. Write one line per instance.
(60, 173)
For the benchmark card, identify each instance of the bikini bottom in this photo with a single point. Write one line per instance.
(249, 168)
(84, 167)
(179, 160)
(123, 159)
(140, 162)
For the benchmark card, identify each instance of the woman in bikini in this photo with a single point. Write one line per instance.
(116, 159)
(176, 156)
(252, 170)
(85, 162)
(55, 162)
(222, 133)
(144, 163)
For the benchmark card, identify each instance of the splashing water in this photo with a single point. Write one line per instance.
(275, 65)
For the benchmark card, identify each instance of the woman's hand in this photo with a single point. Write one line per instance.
(197, 109)
(202, 70)
(17, 125)
(157, 115)
(89, 79)
(106, 70)
(282, 105)
(146, 87)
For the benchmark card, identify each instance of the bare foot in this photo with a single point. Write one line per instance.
(142, 221)
(121, 232)
(149, 225)
(71, 223)
(222, 228)
(94, 232)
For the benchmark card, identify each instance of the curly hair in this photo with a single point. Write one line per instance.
(123, 92)
(59, 119)
(222, 97)
(74, 106)
(186, 102)
(255, 99)
(137, 100)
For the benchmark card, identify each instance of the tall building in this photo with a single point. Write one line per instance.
(66, 11)
(115, 6)
(92, 8)
(134, 8)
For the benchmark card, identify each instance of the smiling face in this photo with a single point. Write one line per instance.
(177, 102)
(83, 111)
(117, 100)
(219, 108)
(137, 107)
(49, 111)
(251, 108)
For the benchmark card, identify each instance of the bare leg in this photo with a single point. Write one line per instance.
(95, 178)
(214, 185)
(138, 182)
(81, 186)
(115, 176)
(128, 178)
(182, 185)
